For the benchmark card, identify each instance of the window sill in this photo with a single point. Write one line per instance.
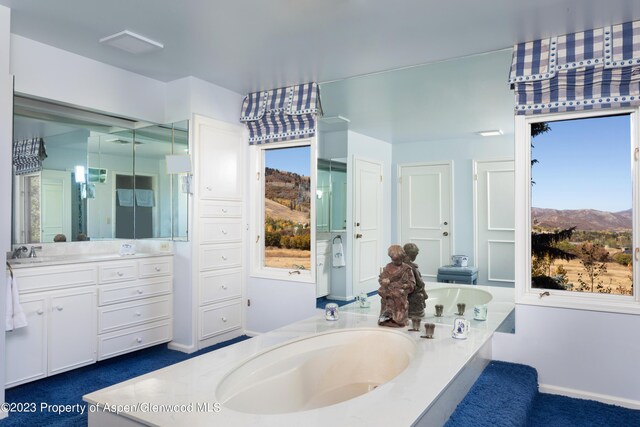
(283, 275)
(583, 301)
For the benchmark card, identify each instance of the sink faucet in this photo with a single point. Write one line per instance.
(17, 252)
(32, 253)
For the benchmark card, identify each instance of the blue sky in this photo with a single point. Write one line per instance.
(583, 164)
(294, 159)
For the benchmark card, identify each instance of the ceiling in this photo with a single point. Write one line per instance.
(251, 45)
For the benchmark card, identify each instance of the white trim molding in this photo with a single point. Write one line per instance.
(579, 394)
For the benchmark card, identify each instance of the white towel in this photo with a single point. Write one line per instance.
(338, 255)
(144, 198)
(15, 317)
(125, 197)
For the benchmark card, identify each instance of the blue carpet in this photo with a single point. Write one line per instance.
(560, 411)
(502, 396)
(69, 387)
(323, 301)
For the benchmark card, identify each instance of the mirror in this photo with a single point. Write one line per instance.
(331, 195)
(101, 177)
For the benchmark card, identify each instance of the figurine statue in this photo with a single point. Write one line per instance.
(419, 295)
(396, 282)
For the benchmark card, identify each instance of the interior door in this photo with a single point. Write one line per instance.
(425, 214)
(55, 214)
(495, 222)
(367, 215)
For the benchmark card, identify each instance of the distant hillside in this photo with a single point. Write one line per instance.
(582, 219)
(288, 195)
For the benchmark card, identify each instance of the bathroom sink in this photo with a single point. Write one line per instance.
(317, 371)
(450, 296)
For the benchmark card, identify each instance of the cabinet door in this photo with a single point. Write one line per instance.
(220, 158)
(27, 347)
(323, 274)
(72, 330)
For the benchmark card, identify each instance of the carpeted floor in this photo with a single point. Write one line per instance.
(69, 387)
(551, 410)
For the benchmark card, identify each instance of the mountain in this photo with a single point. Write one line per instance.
(582, 219)
(287, 195)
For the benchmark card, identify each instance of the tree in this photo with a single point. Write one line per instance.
(593, 258)
(545, 250)
(537, 129)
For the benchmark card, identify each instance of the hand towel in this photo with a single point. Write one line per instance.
(15, 317)
(125, 197)
(144, 198)
(338, 255)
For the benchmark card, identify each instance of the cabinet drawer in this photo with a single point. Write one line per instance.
(220, 318)
(120, 342)
(117, 271)
(55, 277)
(220, 230)
(129, 291)
(214, 257)
(210, 209)
(129, 314)
(152, 267)
(220, 286)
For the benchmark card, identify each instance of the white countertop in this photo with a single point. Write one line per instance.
(46, 260)
(398, 402)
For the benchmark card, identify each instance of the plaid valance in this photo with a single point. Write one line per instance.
(581, 71)
(28, 155)
(281, 114)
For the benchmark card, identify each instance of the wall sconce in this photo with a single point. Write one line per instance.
(178, 164)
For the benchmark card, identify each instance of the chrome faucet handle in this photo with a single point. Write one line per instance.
(32, 253)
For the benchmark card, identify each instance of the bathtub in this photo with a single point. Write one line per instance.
(450, 296)
(317, 371)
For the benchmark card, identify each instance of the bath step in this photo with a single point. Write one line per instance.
(502, 396)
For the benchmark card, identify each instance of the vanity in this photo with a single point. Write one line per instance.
(85, 307)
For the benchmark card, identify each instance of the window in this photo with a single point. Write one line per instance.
(576, 209)
(283, 211)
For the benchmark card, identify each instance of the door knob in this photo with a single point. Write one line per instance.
(446, 233)
(358, 236)
(446, 223)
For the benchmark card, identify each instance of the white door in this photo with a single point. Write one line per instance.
(425, 214)
(55, 213)
(495, 222)
(367, 222)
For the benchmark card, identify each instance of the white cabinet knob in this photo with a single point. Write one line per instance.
(138, 314)
(39, 312)
(139, 291)
(138, 340)
(224, 287)
(223, 231)
(120, 273)
(224, 319)
(157, 268)
(224, 210)
(208, 188)
(224, 258)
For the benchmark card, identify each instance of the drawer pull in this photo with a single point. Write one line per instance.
(224, 210)
(59, 307)
(138, 340)
(157, 268)
(224, 319)
(208, 188)
(138, 314)
(224, 287)
(224, 258)
(139, 291)
(223, 231)
(120, 273)
(39, 312)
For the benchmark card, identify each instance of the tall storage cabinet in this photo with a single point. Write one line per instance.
(218, 230)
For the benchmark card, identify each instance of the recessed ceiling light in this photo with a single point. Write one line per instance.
(131, 42)
(495, 132)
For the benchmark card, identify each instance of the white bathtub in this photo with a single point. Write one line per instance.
(316, 371)
(450, 296)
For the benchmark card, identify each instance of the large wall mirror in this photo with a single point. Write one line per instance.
(331, 195)
(96, 177)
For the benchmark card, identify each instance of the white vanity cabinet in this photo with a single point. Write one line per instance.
(61, 330)
(134, 304)
(218, 231)
(323, 268)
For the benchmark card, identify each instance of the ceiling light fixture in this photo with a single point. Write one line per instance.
(131, 42)
(495, 132)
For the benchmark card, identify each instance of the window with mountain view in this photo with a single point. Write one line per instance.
(287, 208)
(582, 205)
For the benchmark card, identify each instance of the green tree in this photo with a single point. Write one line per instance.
(593, 258)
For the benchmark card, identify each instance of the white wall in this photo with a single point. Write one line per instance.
(462, 152)
(192, 95)
(588, 353)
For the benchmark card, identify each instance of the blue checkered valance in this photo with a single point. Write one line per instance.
(581, 71)
(28, 155)
(281, 114)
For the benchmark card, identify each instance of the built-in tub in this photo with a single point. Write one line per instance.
(450, 296)
(316, 371)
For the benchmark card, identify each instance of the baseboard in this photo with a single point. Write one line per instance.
(579, 394)
(182, 348)
(252, 333)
